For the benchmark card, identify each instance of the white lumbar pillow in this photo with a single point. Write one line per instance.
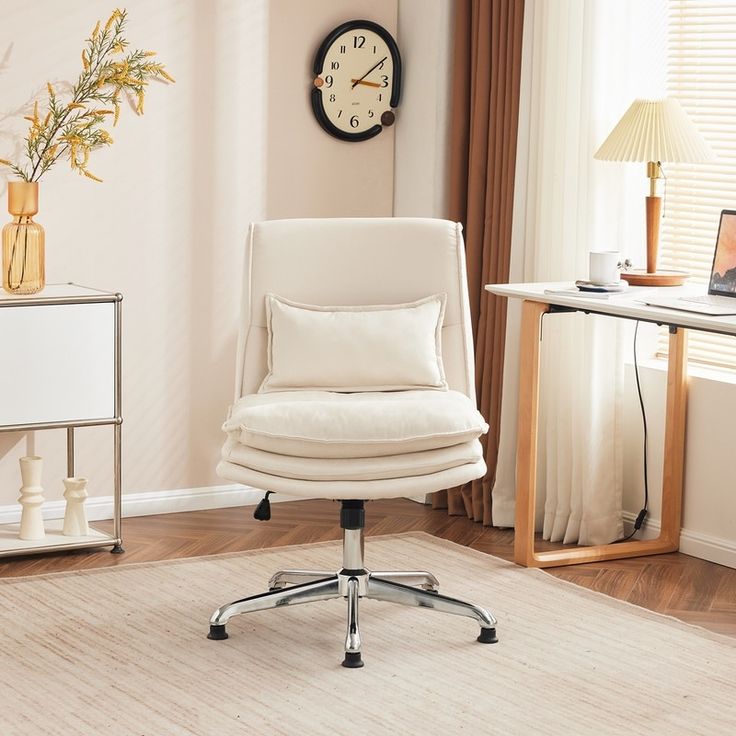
(373, 348)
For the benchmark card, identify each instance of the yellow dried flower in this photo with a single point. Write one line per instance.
(73, 130)
(115, 15)
(91, 176)
(5, 162)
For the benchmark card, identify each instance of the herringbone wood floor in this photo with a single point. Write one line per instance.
(691, 589)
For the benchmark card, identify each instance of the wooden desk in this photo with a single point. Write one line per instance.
(535, 304)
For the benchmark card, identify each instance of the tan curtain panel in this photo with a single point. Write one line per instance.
(486, 77)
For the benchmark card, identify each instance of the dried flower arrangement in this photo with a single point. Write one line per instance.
(71, 130)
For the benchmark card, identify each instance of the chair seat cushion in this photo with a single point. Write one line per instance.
(353, 468)
(413, 485)
(322, 424)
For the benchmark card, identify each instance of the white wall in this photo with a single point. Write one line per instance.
(233, 140)
(166, 228)
(709, 506)
(424, 36)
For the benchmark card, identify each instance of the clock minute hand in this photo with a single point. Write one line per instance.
(357, 81)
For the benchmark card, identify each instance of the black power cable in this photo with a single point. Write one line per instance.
(645, 510)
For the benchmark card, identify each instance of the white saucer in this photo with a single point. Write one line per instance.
(615, 287)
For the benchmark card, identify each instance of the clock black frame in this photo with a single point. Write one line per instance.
(319, 60)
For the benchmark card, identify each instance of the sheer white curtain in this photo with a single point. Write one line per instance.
(584, 61)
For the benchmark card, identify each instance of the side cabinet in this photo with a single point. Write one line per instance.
(61, 370)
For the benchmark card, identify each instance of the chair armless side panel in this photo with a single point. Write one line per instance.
(246, 310)
(467, 329)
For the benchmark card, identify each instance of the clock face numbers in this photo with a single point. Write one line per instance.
(357, 81)
(357, 76)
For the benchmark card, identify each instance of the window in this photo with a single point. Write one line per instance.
(701, 73)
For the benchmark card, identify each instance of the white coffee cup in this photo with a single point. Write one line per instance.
(604, 267)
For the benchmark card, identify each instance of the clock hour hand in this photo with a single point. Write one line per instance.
(358, 81)
(363, 81)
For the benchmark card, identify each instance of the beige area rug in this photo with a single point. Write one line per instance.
(123, 651)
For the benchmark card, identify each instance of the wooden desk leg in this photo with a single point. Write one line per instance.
(526, 457)
(528, 421)
(673, 476)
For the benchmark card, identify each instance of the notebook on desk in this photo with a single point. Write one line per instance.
(721, 296)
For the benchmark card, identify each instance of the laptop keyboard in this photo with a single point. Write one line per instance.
(714, 301)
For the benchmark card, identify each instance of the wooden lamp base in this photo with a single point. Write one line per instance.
(653, 277)
(640, 277)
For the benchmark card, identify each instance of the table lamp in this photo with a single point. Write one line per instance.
(655, 131)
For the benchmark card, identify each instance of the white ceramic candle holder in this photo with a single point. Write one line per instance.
(75, 515)
(31, 498)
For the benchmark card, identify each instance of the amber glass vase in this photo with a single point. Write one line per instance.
(23, 241)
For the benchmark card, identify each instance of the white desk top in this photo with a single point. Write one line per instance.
(629, 304)
(58, 294)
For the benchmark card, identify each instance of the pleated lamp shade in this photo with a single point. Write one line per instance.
(655, 130)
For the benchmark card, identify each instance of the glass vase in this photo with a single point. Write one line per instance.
(23, 241)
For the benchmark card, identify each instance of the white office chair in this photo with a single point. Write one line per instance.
(352, 262)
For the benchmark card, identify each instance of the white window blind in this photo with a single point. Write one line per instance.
(701, 73)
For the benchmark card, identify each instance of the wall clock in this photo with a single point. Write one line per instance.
(357, 81)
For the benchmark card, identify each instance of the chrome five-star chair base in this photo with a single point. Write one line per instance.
(353, 582)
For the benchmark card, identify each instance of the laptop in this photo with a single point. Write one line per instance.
(721, 296)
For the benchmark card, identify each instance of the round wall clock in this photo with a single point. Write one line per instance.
(357, 81)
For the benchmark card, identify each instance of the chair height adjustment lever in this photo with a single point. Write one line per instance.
(263, 510)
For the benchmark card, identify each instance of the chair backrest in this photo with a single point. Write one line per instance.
(355, 261)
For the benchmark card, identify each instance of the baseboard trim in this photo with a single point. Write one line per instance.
(154, 502)
(703, 546)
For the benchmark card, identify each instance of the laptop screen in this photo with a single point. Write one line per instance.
(723, 273)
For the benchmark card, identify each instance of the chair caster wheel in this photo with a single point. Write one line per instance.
(217, 632)
(117, 550)
(352, 660)
(488, 636)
